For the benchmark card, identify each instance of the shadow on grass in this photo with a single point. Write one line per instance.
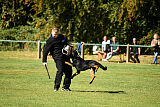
(110, 92)
(124, 61)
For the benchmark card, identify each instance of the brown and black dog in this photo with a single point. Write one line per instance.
(82, 65)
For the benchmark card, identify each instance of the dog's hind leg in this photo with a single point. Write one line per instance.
(96, 68)
(92, 72)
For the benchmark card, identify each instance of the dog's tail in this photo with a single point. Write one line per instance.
(103, 67)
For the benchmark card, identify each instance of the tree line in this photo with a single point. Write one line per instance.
(81, 20)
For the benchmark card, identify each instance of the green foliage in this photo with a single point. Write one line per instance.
(19, 33)
(139, 18)
(16, 12)
(147, 40)
(26, 33)
(84, 20)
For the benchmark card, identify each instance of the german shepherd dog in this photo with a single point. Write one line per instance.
(82, 65)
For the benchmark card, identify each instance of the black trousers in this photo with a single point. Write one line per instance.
(135, 57)
(63, 69)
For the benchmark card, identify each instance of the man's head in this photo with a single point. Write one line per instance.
(105, 38)
(134, 40)
(114, 39)
(156, 36)
(55, 32)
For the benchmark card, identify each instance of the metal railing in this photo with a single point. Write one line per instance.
(82, 46)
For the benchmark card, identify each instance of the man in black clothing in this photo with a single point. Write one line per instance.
(135, 52)
(54, 45)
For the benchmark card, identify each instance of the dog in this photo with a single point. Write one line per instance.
(82, 65)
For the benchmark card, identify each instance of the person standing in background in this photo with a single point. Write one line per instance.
(155, 43)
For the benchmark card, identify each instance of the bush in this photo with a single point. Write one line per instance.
(20, 33)
(146, 40)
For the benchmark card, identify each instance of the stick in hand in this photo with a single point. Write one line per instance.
(47, 71)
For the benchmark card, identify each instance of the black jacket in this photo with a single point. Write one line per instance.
(134, 49)
(54, 46)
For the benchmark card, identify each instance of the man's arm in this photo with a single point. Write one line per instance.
(116, 49)
(102, 49)
(46, 50)
(152, 43)
(159, 42)
(65, 40)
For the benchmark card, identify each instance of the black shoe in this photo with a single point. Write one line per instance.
(55, 89)
(66, 89)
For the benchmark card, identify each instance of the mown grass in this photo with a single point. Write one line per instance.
(24, 83)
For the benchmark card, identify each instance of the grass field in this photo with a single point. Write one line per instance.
(24, 83)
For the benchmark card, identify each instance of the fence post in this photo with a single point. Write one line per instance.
(39, 49)
(120, 56)
(139, 51)
(82, 50)
(127, 59)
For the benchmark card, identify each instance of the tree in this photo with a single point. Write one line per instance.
(85, 20)
(16, 12)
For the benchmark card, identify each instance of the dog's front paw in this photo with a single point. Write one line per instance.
(105, 68)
